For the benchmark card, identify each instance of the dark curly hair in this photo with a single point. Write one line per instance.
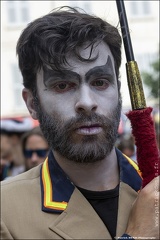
(47, 41)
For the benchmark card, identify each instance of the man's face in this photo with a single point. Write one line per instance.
(35, 144)
(79, 109)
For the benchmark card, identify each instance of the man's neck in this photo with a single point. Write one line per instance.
(99, 176)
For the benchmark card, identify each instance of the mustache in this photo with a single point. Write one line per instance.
(84, 120)
(60, 126)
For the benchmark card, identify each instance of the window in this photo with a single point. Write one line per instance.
(145, 60)
(140, 8)
(17, 12)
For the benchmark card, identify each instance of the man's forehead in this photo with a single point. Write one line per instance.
(104, 58)
(98, 51)
(97, 48)
(95, 70)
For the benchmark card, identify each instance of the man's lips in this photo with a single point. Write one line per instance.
(89, 129)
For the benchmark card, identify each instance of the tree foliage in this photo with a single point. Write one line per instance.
(151, 79)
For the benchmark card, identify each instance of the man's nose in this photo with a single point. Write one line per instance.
(86, 101)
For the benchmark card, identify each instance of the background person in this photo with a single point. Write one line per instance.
(11, 163)
(127, 146)
(6, 156)
(35, 148)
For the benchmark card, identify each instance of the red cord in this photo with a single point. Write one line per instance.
(148, 156)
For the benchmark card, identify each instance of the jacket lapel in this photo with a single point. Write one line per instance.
(127, 196)
(79, 221)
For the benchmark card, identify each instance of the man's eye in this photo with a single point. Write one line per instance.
(102, 84)
(62, 86)
(99, 83)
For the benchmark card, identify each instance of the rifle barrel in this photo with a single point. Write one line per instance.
(125, 30)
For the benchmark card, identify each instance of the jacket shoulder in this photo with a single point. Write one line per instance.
(21, 179)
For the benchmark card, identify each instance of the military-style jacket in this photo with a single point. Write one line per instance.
(42, 203)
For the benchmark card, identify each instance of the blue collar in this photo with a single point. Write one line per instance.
(56, 187)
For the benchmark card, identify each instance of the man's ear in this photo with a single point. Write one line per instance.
(28, 98)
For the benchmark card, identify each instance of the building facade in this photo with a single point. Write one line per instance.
(143, 18)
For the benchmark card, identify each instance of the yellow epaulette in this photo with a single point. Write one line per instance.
(134, 164)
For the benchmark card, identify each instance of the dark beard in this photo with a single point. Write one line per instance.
(88, 149)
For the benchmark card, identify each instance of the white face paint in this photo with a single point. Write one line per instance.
(79, 108)
(87, 87)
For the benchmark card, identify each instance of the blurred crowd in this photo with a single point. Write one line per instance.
(23, 146)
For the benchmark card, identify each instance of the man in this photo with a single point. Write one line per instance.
(10, 165)
(6, 154)
(85, 189)
(35, 148)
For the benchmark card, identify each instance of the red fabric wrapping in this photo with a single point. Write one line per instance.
(148, 156)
